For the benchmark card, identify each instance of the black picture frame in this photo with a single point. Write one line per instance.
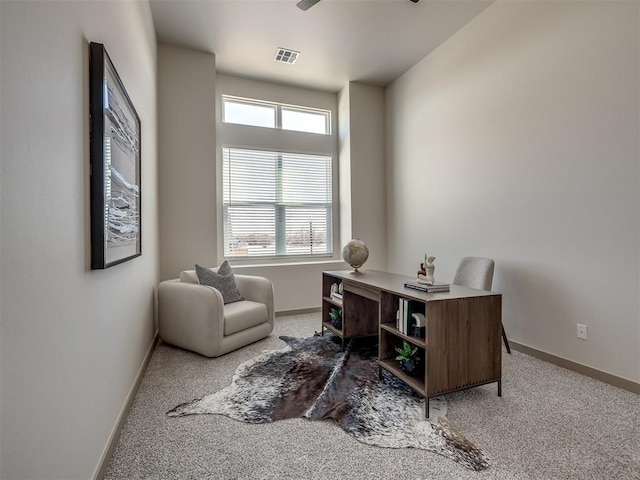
(115, 189)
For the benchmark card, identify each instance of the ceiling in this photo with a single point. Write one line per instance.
(370, 41)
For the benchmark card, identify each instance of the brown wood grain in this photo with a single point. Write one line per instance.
(462, 347)
(359, 315)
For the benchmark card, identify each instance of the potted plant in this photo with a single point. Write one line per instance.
(336, 317)
(409, 362)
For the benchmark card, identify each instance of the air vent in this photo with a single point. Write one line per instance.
(286, 56)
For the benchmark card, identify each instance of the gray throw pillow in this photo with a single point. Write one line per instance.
(223, 280)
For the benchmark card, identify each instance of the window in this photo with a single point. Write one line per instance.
(237, 110)
(276, 203)
(257, 113)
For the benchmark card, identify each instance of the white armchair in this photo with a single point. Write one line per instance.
(194, 316)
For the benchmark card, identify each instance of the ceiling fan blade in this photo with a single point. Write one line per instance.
(306, 4)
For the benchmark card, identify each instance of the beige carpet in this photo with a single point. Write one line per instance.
(550, 423)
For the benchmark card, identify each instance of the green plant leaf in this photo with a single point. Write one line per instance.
(407, 351)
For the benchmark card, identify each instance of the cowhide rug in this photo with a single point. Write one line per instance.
(314, 378)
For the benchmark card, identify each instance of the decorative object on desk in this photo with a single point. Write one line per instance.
(115, 165)
(316, 379)
(409, 362)
(423, 267)
(355, 253)
(428, 278)
(336, 292)
(336, 317)
(418, 328)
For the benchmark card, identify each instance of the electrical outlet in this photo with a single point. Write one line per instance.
(582, 331)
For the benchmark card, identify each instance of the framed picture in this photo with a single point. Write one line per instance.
(115, 165)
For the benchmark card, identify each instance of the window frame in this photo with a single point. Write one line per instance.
(278, 106)
(280, 212)
(243, 136)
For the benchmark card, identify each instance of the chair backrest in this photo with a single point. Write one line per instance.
(474, 272)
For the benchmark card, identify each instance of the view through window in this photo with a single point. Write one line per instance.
(276, 203)
(257, 113)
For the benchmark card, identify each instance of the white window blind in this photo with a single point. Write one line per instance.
(276, 203)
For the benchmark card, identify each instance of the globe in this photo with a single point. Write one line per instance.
(355, 253)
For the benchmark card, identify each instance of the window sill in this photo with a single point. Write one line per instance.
(284, 263)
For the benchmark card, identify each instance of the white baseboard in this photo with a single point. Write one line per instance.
(124, 412)
(302, 311)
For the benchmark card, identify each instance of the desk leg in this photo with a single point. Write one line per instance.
(499, 388)
(426, 407)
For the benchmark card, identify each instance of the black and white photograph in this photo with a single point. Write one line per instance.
(115, 166)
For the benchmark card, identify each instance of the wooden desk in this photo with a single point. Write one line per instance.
(462, 345)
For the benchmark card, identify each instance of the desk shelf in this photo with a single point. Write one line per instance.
(329, 326)
(416, 383)
(418, 342)
(359, 308)
(332, 301)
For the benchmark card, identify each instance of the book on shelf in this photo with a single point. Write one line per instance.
(403, 311)
(436, 287)
(410, 313)
(405, 316)
(400, 314)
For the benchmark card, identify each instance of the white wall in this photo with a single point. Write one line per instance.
(73, 340)
(187, 174)
(366, 175)
(344, 164)
(518, 139)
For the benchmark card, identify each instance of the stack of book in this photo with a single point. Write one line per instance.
(436, 287)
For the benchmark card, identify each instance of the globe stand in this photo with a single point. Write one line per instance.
(356, 272)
